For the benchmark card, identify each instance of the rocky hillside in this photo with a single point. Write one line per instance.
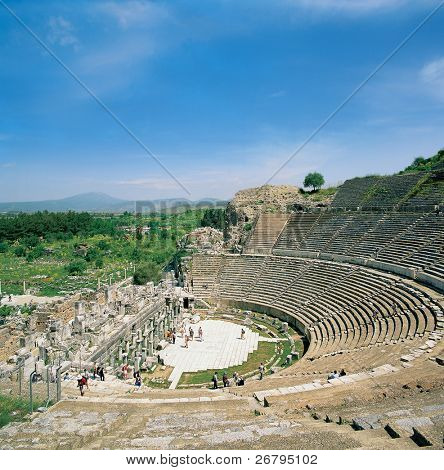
(243, 209)
(202, 240)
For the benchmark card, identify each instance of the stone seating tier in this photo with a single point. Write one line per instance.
(341, 307)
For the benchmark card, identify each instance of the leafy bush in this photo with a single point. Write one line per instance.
(6, 310)
(77, 267)
(20, 251)
(426, 164)
(3, 247)
(35, 253)
(146, 272)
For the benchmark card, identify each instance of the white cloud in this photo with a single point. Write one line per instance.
(432, 75)
(7, 165)
(61, 32)
(348, 6)
(278, 94)
(133, 12)
(128, 51)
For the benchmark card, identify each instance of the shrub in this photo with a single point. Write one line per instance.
(77, 267)
(36, 252)
(6, 310)
(20, 251)
(146, 272)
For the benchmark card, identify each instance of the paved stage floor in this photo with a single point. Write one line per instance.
(221, 347)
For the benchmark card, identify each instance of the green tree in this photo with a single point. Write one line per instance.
(146, 272)
(314, 180)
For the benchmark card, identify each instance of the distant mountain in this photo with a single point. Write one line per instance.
(101, 202)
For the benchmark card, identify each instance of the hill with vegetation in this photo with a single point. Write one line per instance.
(426, 164)
(59, 253)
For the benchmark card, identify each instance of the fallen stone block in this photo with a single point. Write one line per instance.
(409, 423)
(395, 431)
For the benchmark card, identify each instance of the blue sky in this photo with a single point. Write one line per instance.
(222, 92)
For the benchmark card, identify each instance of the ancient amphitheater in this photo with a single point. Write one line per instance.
(362, 281)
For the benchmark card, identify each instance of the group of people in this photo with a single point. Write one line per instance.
(170, 336)
(136, 375)
(188, 334)
(97, 372)
(237, 380)
(335, 374)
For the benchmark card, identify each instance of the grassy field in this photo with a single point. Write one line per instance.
(14, 409)
(263, 354)
(46, 262)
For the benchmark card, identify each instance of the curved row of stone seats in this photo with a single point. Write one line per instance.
(352, 192)
(383, 234)
(238, 274)
(296, 229)
(389, 191)
(436, 270)
(377, 192)
(265, 233)
(409, 240)
(426, 233)
(205, 270)
(431, 194)
(353, 360)
(340, 307)
(358, 224)
(275, 278)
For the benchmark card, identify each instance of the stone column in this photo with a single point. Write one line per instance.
(78, 309)
(151, 338)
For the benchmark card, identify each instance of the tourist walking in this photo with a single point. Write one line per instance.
(81, 382)
(235, 377)
(102, 373)
(186, 341)
(242, 333)
(200, 333)
(215, 380)
(138, 382)
(225, 380)
(261, 371)
(191, 334)
(86, 375)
